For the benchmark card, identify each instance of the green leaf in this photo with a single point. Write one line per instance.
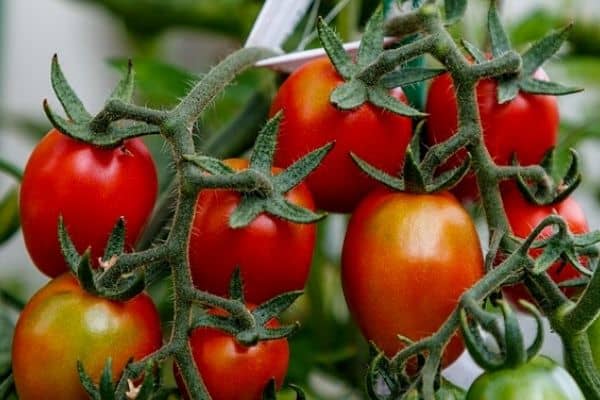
(161, 84)
(381, 98)
(264, 146)
(535, 86)
(67, 247)
(542, 50)
(473, 51)
(116, 241)
(9, 214)
(407, 76)
(295, 173)
(377, 174)
(454, 9)
(334, 49)
(371, 43)
(350, 94)
(291, 212)
(66, 95)
(124, 89)
(498, 37)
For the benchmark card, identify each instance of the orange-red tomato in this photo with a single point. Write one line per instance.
(407, 258)
(274, 255)
(232, 371)
(525, 126)
(91, 188)
(62, 324)
(523, 217)
(310, 121)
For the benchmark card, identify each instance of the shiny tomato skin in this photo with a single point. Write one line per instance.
(231, 371)
(526, 126)
(91, 188)
(406, 260)
(538, 379)
(62, 324)
(274, 255)
(310, 121)
(523, 217)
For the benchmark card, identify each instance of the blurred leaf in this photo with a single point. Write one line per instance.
(159, 83)
(9, 214)
(533, 26)
(7, 328)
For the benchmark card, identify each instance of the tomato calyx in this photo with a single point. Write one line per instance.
(549, 191)
(510, 85)
(365, 79)
(262, 189)
(506, 332)
(415, 176)
(99, 130)
(249, 331)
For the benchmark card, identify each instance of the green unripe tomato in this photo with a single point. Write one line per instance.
(539, 379)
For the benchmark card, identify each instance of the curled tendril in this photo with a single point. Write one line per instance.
(506, 332)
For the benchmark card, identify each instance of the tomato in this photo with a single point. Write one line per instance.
(274, 255)
(539, 379)
(526, 126)
(310, 121)
(406, 260)
(231, 371)
(523, 217)
(62, 324)
(91, 188)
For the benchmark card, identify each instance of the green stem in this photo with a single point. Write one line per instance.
(11, 169)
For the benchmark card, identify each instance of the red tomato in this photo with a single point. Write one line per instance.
(310, 121)
(274, 255)
(407, 258)
(91, 188)
(523, 217)
(231, 371)
(526, 126)
(62, 324)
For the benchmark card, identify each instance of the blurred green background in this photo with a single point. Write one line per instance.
(171, 42)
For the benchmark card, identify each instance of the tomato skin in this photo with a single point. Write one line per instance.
(274, 255)
(91, 188)
(407, 258)
(310, 121)
(523, 217)
(539, 379)
(62, 324)
(526, 126)
(231, 371)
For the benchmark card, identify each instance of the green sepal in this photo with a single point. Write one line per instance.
(66, 95)
(280, 207)
(124, 89)
(543, 49)
(498, 37)
(300, 395)
(119, 129)
(408, 76)
(261, 159)
(550, 191)
(298, 171)
(350, 95)
(246, 212)
(9, 214)
(222, 323)
(587, 239)
(236, 285)
(270, 391)
(85, 274)
(87, 382)
(508, 89)
(151, 384)
(332, 44)
(377, 174)
(275, 306)
(67, 247)
(7, 387)
(536, 86)
(473, 51)
(107, 391)
(536, 346)
(414, 181)
(116, 241)
(454, 10)
(475, 345)
(514, 345)
(209, 164)
(371, 43)
(449, 179)
(381, 97)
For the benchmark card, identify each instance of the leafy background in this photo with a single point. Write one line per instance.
(171, 42)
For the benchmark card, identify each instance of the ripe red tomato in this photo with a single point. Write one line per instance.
(526, 126)
(62, 324)
(232, 371)
(310, 121)
(91, 188)
(523, 217)
(407, 258)
(274, 255)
